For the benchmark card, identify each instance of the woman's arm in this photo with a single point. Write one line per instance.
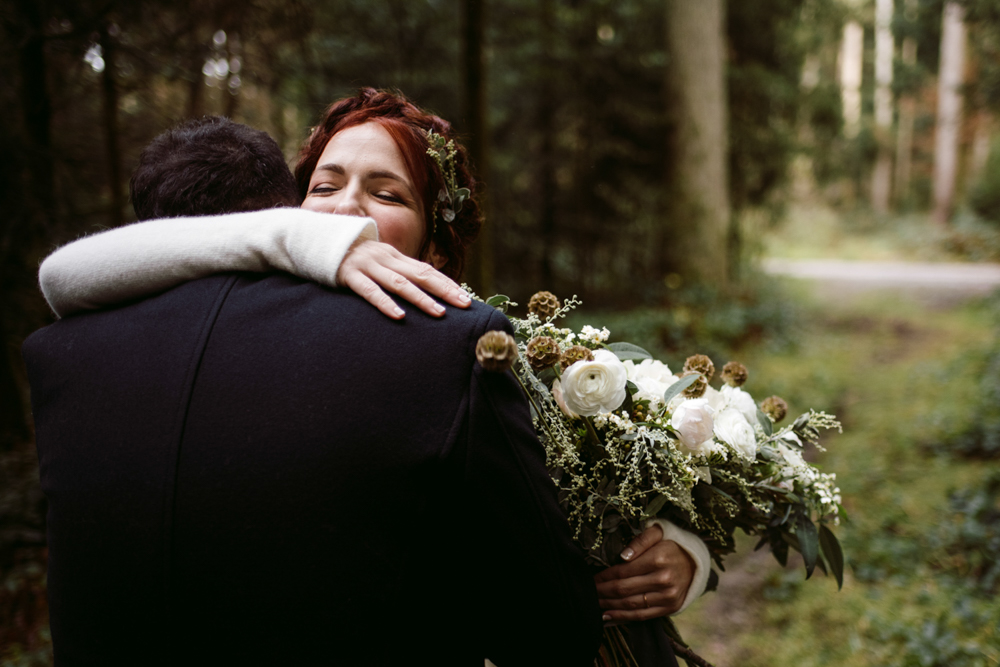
(148, 257)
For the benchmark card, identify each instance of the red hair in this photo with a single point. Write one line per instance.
(406, 124)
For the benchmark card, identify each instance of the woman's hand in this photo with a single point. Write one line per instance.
(652, 583)
(371, 267)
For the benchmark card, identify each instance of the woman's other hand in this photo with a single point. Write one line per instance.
(371, 267)
(652, 583)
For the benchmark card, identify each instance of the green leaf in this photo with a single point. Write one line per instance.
(832, 553)
(679, 386)
(765, 423)
(780, 550)
(630, 387)
(497, 300)
(805, 530)
(625, 351)
(656, 504)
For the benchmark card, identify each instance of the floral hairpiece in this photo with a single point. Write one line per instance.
(451, 197)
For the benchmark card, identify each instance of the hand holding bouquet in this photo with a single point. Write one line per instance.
(627, 440)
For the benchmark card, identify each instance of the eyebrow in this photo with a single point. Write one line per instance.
(378, 173)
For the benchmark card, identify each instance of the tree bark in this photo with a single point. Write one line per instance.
(695, 245)
(949, 110)
(851, 60)
(882, 174)
(109, 88)
(907, 118)
(480, 270)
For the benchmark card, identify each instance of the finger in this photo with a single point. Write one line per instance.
(611, 618)
(370, 291)
(433, 281)
(644, 541)
(620, 589)
(668, 596)
(398, 284)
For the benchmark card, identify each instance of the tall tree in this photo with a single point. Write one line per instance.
(696, 243)
(907, 111)
(949, 110)
(851, 68)
(882, 174)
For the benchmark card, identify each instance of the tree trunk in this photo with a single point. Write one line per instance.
(109, 88)
(851, 59)
(949, 111)
(882, 174)
(907, 118)
(480, 267)
(696, 243)
(546, 181)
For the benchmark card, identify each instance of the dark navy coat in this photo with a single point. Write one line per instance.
(254, 469)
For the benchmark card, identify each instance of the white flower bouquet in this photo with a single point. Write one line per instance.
(627, 440)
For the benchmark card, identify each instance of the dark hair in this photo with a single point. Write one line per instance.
(210, 166)
(406, 124)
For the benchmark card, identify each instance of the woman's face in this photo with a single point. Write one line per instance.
(361, 172)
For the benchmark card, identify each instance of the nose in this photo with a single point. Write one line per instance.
(350, 201)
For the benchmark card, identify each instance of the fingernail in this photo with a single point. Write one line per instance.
(399, 312)
(438, 309)
(606, 617)
(463, 297)
(627, 554)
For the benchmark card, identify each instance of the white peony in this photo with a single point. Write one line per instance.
(592, 387)
(651, 377)
(694, 425)
(737, 398)
(732, 428)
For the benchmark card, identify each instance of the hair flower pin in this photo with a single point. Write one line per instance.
(451, 197)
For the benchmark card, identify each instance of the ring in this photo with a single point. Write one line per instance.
(645, 600)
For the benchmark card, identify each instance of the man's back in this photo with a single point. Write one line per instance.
(254, 469)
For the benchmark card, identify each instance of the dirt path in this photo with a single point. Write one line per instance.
(934, 281)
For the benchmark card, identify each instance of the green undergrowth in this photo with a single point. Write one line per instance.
(922, 537)
(813, 231)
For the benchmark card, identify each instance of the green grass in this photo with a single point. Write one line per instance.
(814, 231)
(892, 370)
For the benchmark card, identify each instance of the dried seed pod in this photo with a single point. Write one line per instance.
(734, 374)
(696, 390)
(496, 351)
(544, 304)
(701, 364)
(543, 352)
(775, 408)
(575, 354)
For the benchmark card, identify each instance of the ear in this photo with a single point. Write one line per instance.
(434, 258)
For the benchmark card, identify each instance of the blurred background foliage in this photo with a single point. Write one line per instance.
(578, 114)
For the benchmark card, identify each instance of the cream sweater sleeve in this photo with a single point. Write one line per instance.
(695, 548)
(148, 257)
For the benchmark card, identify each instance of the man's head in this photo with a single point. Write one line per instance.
(210, 166)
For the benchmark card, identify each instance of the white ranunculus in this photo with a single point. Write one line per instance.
(652, 378)
(694, 425)
(715, 398)
(592, 387)
(742, 401)
(557, 394)
(732, 428)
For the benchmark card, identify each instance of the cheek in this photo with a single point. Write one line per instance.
(319, 204)
(403, 231)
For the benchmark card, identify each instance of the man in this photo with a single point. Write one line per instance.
(252, 469)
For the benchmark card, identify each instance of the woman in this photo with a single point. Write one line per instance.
(374, 155)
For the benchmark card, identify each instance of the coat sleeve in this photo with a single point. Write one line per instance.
(539, 595)
(145, 258)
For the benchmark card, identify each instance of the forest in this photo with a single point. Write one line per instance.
(632, 152)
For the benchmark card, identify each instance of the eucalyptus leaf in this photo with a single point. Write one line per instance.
(626, 351)
(497, 299)
(656, 504)
(765, 423)
(676, 388)
(833, 554)
(805, 530)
